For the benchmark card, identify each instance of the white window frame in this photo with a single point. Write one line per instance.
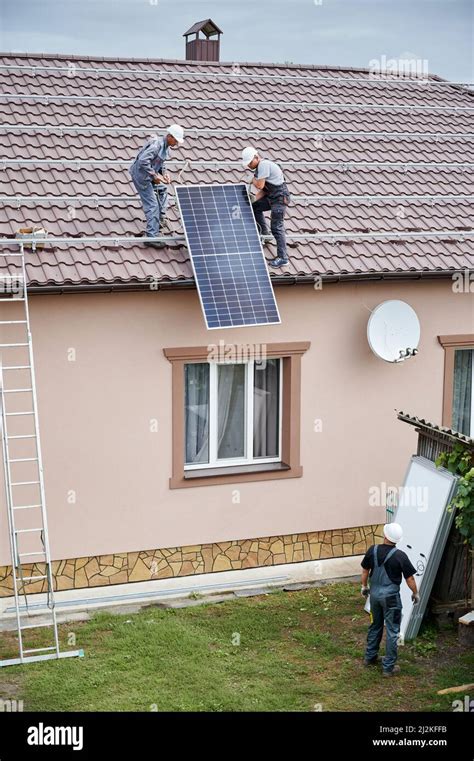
(459, 348)
(471, 432)
(214, 462)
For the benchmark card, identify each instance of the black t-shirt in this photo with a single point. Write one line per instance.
(395, 566)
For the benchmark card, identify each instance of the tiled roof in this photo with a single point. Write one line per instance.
(241, 111)
(425, 425)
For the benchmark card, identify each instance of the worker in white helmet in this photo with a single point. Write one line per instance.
(151, 180)
(386, 565)
(273, 196)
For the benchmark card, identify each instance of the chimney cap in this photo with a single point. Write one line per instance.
(207, 27)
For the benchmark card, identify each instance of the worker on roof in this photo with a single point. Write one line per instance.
(272, 195)
(386, 565)
(151, 180)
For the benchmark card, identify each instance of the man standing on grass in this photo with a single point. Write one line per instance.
(386, 565)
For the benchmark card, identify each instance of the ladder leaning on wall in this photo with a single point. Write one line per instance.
(23, 470)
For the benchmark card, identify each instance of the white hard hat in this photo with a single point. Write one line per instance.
(393, 532)
(177, 132)
(248, 154)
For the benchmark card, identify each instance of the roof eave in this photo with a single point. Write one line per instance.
(421, 425)
(178, 284)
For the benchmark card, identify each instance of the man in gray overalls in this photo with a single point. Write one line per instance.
(151, 181)
(386, 564)
(273, 195)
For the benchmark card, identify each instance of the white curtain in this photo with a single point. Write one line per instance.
(266, 408)
(197, 412)
(462, 391)
(231, 411)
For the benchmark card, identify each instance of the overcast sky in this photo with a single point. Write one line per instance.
(340, 32)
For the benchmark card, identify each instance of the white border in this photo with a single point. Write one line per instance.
(214, 461)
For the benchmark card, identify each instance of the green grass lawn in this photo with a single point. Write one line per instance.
(284, 651)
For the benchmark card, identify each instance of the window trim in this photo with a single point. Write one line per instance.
(450, 343)
(216, 463)
(288, 466)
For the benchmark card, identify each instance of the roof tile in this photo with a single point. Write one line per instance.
(89, 263)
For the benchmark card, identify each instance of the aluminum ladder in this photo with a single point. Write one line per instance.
(24, 469)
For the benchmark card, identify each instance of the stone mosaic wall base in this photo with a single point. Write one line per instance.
(125, 567)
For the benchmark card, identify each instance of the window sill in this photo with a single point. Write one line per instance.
(262, 467)
(259, 472)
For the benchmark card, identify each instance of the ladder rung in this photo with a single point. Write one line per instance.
(12, 300)
(16, 367)
(16, 390)
(23, 436)
(36, 658)
(6, 346)
(24, 459)
(30, 578)
(39, 649)
(27, 530)
(13, 322)
(24, 507)
(34, 626)
(24, 483)
(29, 554)
(20, 413)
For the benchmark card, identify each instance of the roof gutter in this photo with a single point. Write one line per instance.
(365, 277)
(187, 283)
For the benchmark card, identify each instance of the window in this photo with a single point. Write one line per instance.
(235, 422)
(458, 394)
(232, 413)
(463, 391)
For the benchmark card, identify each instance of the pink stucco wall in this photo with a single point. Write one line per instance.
(95, 415)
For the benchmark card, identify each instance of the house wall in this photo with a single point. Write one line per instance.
(107, 472)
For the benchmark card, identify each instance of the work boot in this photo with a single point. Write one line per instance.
(278, 262)
(154, 243)
(372, 662)
(392, 672)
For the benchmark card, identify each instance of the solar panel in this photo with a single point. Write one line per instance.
(227, 257)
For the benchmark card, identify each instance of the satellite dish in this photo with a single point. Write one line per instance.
(393, 331)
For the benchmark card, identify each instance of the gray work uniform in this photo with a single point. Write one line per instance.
(276, 200)
(150, 160)
(385, 607)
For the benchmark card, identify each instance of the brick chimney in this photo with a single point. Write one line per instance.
(203, 48)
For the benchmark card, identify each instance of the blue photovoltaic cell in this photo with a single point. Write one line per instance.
(226, 253)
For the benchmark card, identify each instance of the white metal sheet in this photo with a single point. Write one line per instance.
(422, 513)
